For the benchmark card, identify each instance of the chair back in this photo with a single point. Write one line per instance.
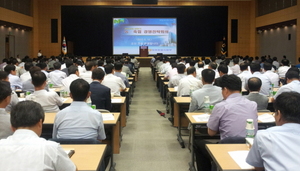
(233, 140)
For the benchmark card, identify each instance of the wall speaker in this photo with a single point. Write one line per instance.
(234, 31)
(144, 1)
(54, 31)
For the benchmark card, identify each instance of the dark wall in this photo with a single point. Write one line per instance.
(90, 27)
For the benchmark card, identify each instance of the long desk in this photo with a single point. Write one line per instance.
(219, 153)
(118, 105)
(181, 105)
(87, 157)
(113, 125)
(193, 123)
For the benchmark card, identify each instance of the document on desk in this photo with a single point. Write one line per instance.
(201, 118)
(266, 118)
(64, 99)
(240, 158)
(21, 99)
(116, 100)
(108, 117)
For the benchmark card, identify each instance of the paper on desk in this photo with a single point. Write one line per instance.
(21, 99)
(266, 118)
(116, 100)
(64, 99)
(108, 117)
(201, 118)
(240, 158)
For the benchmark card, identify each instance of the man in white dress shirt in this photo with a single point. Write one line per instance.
(213, 66)
(165, 67)
(266, 82)
(235, 68)
(293, 84)
(44, 68)
(189, 83)
(171, 72)
(25, 150)
(48, 100)
(200, 69)
(15, 81)
(214, 92)
(87, 75)
(174, 81)
(13, 97)
(113, 82)
(283, 69)
(5, 97)
(245, 74)
(57, 75)
(73, 75)
(270, 74)
(26, 76)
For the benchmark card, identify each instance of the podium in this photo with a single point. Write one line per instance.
(144, 51)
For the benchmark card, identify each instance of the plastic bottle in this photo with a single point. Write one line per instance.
(271, 90)
(89, 102)
(249, 128)
(206, 104)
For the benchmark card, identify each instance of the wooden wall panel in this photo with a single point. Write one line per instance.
(236, 10)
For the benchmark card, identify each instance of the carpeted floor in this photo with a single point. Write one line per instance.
(149, 141)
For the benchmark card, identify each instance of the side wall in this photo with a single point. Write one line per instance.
(293, 45)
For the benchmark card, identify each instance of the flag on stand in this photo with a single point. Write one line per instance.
(224, 47)
(64, 46)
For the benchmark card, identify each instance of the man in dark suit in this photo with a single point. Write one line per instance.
(254, 85)
(100, 94)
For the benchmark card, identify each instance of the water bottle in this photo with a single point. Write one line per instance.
(89, 102)
(206, 104)
(249, 128)
(271, 90)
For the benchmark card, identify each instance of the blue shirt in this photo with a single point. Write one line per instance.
(276, 148)
(78, 121)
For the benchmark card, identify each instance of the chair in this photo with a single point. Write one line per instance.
(233, 140)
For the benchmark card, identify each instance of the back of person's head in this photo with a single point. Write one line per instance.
(293, 69)
(68, 63)
(190, 70)
(26, 114)
(100, 63)
(213, 65)
(223, 68)
(118, 66)
(43, 65)
(213, 58)
(192, 63)
(14, 61)
(180, 68)
(292, 75)
(254, 84)
(5, 90)
(208, 75)
(288, 103)
(3, 75)
(255, 67)
(79, 89)
(231, 82)
(38, 78)
(98, 74)
(89, 65)
(207, 61)
(243, 66)
(267, 66)
(72, 69)
(109, 69)
(200, 64)
(9, 68)
(235, 60)
(274, 58)
(285, 62)
(174, 65)
(28, 65)
(34, 69)
(56, 65)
